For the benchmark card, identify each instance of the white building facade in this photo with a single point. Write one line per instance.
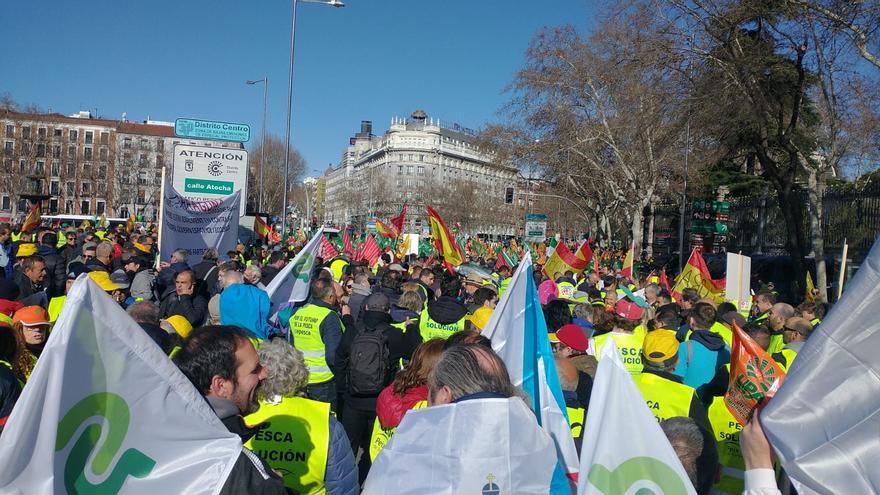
(419, 161)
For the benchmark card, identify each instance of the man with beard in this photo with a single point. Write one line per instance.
(224, 367)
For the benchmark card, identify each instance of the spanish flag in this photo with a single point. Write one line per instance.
(563, 260)
(260, 227)
(399, 221)
(443, 239)
(385, 230)
(627, 270)
(695, 275)
(32, 220)
(129, 225)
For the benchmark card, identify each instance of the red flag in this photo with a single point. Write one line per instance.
(260, 227)
(430, 259)
(385, 230)
(585, 252)
(346, 243)
(664, 282)
(500, 261)
(370, 251)
(327, 249)
(399, 220)
(32, 220)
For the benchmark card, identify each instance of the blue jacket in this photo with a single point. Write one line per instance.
(700, 356)
(341, 475)
(246, 306)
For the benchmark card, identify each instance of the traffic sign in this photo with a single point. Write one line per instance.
(536, 227)
(209, 129)
(203, 172)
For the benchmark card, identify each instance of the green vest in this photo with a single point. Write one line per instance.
(502, 288)
(55, 305)
(665, 398)
(431, 329)
(776, 343)
(628, 344)
(565, 290)
(296, 443)
(305, 328)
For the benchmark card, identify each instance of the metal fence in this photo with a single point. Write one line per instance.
(756, 224)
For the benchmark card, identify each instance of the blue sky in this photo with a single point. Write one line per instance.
(371, 60)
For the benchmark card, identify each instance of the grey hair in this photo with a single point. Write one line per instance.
(687, 441)
(254, 272)
(583, 311)
(655, 288)
(469, 369)
(231, 277)
(286, 368)
(784, 310)
(144, 312)
(179, 255)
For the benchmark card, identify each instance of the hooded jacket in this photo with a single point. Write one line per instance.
(356, 300)
(446, 310)
(247, 307)
(56, 271)
(391, 407)
(700, 356)
(400, 315)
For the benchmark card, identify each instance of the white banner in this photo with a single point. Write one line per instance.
(106, 411)
(197, 226)
(739, 278)
(292, 282)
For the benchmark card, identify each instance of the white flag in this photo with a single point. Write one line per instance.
(519, 336)
(198, 225)
(474, 446)
(624, 449)
(824, 422)
(106, 411)
(292, 282)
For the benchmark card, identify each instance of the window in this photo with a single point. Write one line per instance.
(22, 166)
(68, 207)
(102, 171)
(25, 149)
(71, 152)
(25, 132)
(142, 178)
(102, 188)
(84, 208)
(143, 159)
(102, 154)
(7, 165)
(409, 157)
(40, 169)
(22, 205)
(70, 188)
(90, 137)
(58, 133)
(160, 145)
(421, 170)
(8, 147)
(41, 150)
(53, 188)
(53, 206)
(86, 188)
(10, 131)
(400, 169)
(71, 169)
(100, 208)
(421, 158)
(141, 196)
(87, 170)
(7, 203)
(73, 135)
(56, 151)
(126, 143)
(87, 154)
(409, 170)
(105, 138)
(41, 132)
(56, 168)
(160, 161)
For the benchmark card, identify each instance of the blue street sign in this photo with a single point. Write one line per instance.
(209, 129)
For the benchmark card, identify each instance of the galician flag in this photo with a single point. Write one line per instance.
(519, 336)
(624, 449)
(106, 412)
(291, 285)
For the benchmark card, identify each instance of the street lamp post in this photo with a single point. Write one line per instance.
(332, 3)
(265, 82)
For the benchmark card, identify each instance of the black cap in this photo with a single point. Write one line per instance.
(8, 289)
(76, 269)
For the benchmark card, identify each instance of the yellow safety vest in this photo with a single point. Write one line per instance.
(665, 398)
(381, 435)
(788, 356)
(815, 322)
(776, 344)
(9, 365)
(565, 290)
(628, 344)
(576, 420)
(296, 443)
(727, 431)
(502, 288)
(431, 329)
(305, 327)
(725, 333)
(16, 236)
(338, 266)
(55, 305)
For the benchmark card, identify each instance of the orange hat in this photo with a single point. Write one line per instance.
(31, 316)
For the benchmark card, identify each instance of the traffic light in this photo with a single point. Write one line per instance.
(508, 196)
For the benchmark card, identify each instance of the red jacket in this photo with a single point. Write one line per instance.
(9, 308)
(391, 407)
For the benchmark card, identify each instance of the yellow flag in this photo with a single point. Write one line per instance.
(809, 296)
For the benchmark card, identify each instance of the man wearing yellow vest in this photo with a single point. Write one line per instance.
(779, 314)
(316, 330)
(445, 315)
(664, 393)
(764, 300)
(576, 387)
(299, 437)
(795, 334)
(629, 342)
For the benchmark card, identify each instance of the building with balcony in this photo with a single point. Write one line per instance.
(83, 165)
(420, 161)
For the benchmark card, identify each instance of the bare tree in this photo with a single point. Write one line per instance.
(273, 174)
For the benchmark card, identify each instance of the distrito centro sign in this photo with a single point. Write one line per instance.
(209, 129)
(203, 173)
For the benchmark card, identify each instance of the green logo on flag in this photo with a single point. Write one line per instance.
(634, 470)
(132, 462)
(303, 268)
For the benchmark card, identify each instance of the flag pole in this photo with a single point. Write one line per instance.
(161, 216)
(842, 274)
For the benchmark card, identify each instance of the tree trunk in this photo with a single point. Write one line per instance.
(816, 183)
(795, 238)
(637, 228)
(649, 248)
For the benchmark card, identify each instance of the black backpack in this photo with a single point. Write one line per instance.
(368, 362)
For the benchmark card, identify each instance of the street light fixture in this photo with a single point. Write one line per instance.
(265, 82)
(332, 3)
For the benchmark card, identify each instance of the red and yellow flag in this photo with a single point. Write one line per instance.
(261, 228)
(385, 230)
(627, 270)
(32, 220)
(695, 275)
(129, 225)
(444, 241)
(399, 221)
(563, 260)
